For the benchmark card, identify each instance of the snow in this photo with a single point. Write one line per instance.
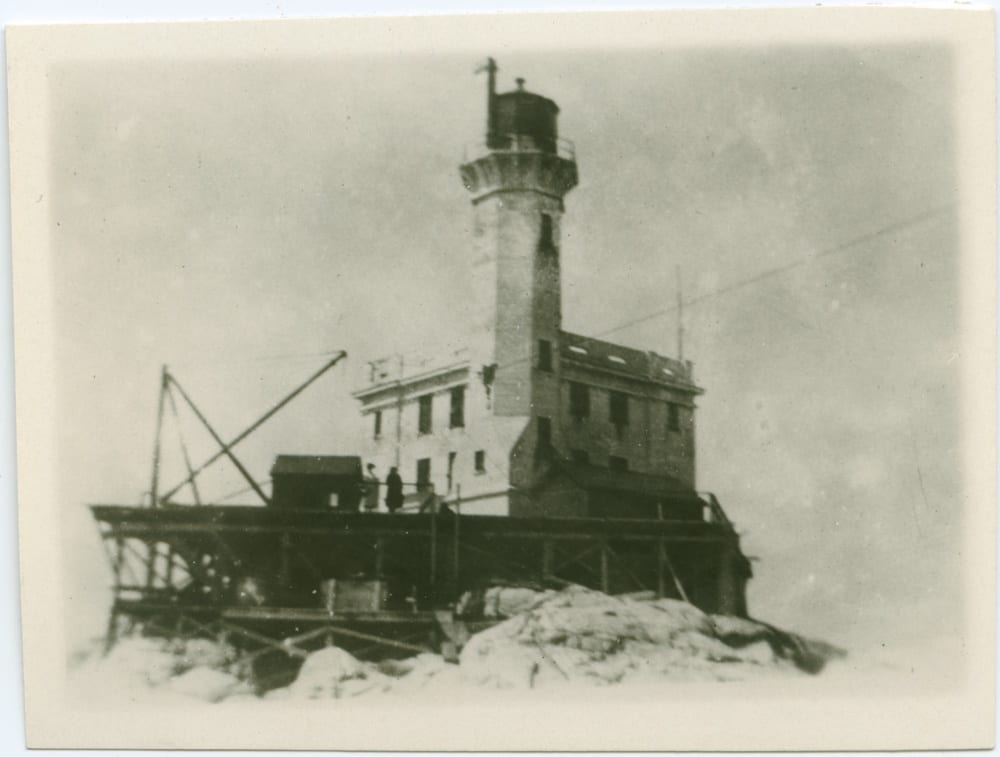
(561, 643)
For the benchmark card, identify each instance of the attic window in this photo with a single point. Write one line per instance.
(616, 359)
(578, 350)
(669, 372)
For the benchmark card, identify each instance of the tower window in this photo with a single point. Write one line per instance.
(457, 415)
(579, 456)
(544, 355)
(673, 417)
(618, 464)
(480, 459)
(619, 409)
(546, 238)
(423, 474)
(424, 423)
(579, 400)
(378, 424)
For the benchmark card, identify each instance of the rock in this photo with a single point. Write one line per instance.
(145, 660)
(581, 635)
(324, 673)
(207, 684)
(507, 601)
(204, 653)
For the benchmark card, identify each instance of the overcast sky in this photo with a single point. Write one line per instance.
(218, 215)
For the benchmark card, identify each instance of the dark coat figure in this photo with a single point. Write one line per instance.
(393, 491)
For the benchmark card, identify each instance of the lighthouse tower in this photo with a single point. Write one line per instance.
(517, 178)
(527, 419)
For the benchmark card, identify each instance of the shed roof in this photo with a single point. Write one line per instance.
(317, 465)
(592, 477)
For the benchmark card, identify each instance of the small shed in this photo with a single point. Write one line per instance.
(316, 482)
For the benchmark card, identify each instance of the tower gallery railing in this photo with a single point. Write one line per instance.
(519, 143)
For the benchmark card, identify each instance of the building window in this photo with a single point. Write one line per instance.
(579, 400)
(673, 416)
(457, 416)
(619, 409)
(451, 469)
(544, 355)
(543, 445)
(546, 238)
(618, 464)
(426, 407)
(579, 456)
(480, 461)
(423, 474)
(378, 423)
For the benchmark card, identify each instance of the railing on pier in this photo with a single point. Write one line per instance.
(713, 511)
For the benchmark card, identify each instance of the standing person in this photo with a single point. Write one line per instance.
(393, 491)
(371, 490)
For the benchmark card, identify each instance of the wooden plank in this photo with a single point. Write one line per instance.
(319, 614)
(266, 640)
(379, 639)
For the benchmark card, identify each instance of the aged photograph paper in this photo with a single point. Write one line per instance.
(545, 381)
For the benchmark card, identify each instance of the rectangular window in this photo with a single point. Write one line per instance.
(618, 464)
(543, 447)
(546, 238)
(378, 423)
(480, 461)
(451, 469)
(457, 416)
(673, 417)
(423, 474)
(579, 400)
(544, 355)
(426, 408)
(579, 456)
(619, 409)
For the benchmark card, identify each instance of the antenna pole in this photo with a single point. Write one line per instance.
(680, 316)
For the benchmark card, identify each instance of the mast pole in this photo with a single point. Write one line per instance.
(155, 485)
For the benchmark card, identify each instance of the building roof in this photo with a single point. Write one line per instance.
(615, 358)
(316, 465)
(592, 477)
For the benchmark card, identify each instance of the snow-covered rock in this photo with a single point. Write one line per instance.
(580, 635)
(207, 684)
(332, 673)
